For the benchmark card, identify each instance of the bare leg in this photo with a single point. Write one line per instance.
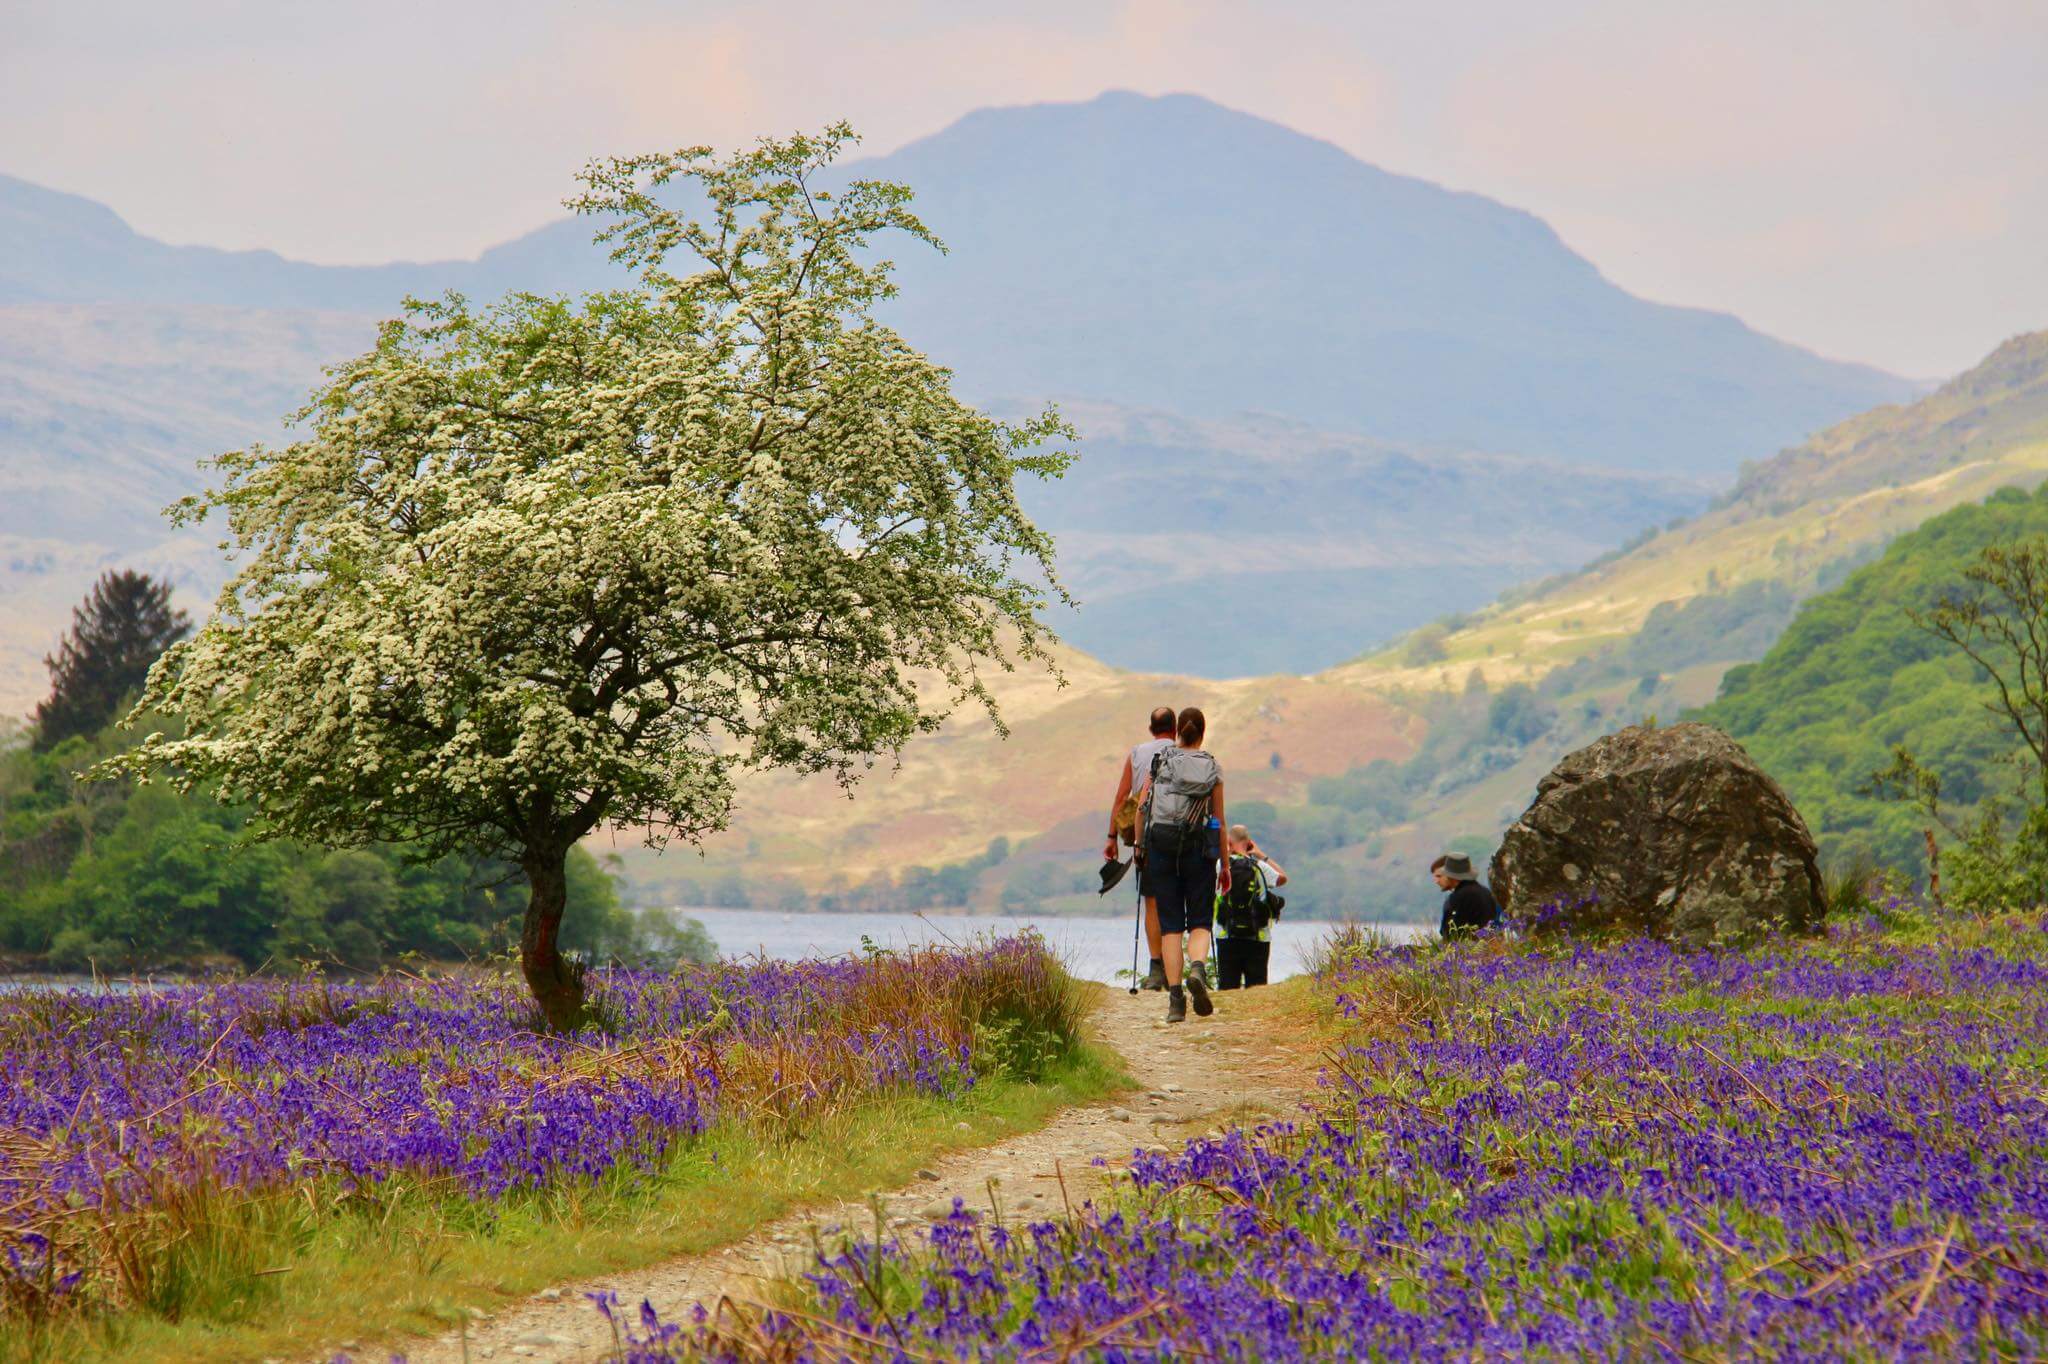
(1152, 925)
(1169, 948)
(1198, 946)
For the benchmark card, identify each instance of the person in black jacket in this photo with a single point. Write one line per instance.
(1470, 906)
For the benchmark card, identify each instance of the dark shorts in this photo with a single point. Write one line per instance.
(1241, 961)
(1183, 880)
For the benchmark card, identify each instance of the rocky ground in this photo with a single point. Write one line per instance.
(1247, 1061)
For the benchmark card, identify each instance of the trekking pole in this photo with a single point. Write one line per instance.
(1137, 928)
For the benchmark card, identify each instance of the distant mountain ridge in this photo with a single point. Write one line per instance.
(1165, 253)
(1314, 542)
(1792, 521)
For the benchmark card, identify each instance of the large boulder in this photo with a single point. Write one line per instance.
(1672, 832)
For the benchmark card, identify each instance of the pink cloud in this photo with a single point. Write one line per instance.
(1658, 98)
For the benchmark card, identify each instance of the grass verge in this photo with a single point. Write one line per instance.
(235, 1231)
(415, 1266)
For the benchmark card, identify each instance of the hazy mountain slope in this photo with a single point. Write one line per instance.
(1174, 254)
(63, 248)
(1319, 542)
(1171, 254)
(1824, 504)
(1311, 543)
(104, 412)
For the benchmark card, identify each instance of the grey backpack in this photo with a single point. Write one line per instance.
(1183, 780)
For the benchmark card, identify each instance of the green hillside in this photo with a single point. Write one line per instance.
(1852, 677)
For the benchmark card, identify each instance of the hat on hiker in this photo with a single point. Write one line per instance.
(1112, 872)
(1457, 866)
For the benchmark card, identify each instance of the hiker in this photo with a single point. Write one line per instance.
(1470, 907)
(1245, 914)
(1123, 825)
(1183, 862)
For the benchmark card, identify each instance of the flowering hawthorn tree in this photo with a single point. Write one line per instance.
(553, 564)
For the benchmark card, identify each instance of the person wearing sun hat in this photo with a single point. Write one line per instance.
(1469, 907)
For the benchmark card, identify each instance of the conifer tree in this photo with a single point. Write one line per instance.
(116, 634)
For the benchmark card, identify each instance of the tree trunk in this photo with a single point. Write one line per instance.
(557, 985)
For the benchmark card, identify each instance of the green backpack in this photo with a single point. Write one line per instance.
(1246, 907)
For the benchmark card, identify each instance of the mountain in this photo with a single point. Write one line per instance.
(105, 410)
(1342, 401)
(1167, 254)
(1321, 541)
(1313, 542)
(1504, 693)
(1171, 253)
(1798, 521)
(63, 248)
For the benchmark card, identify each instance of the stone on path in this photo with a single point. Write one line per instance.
(1674, 832)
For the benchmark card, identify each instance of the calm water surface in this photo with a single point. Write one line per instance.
(1093, 948)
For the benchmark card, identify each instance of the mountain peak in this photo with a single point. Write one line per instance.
(1166, 252)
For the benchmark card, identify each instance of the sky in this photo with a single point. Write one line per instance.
(1868, 178)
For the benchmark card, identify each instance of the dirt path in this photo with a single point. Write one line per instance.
(1245, 1061)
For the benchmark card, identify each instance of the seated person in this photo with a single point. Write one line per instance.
(1470, 906)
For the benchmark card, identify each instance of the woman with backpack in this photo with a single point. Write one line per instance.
(1183, 820)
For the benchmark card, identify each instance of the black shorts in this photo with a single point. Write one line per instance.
(1241, 961)
(1182, 878)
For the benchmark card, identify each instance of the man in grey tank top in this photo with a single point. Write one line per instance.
(1137, 766)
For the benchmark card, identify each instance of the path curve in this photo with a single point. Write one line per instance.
(1247, 1061)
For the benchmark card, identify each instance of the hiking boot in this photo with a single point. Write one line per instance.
(1199, 988)
(1155, 979)
(1176, 1004)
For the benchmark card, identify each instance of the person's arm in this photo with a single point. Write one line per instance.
(1123, 791)
(1279, 877)
(1222, 818)
(1443, 926)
